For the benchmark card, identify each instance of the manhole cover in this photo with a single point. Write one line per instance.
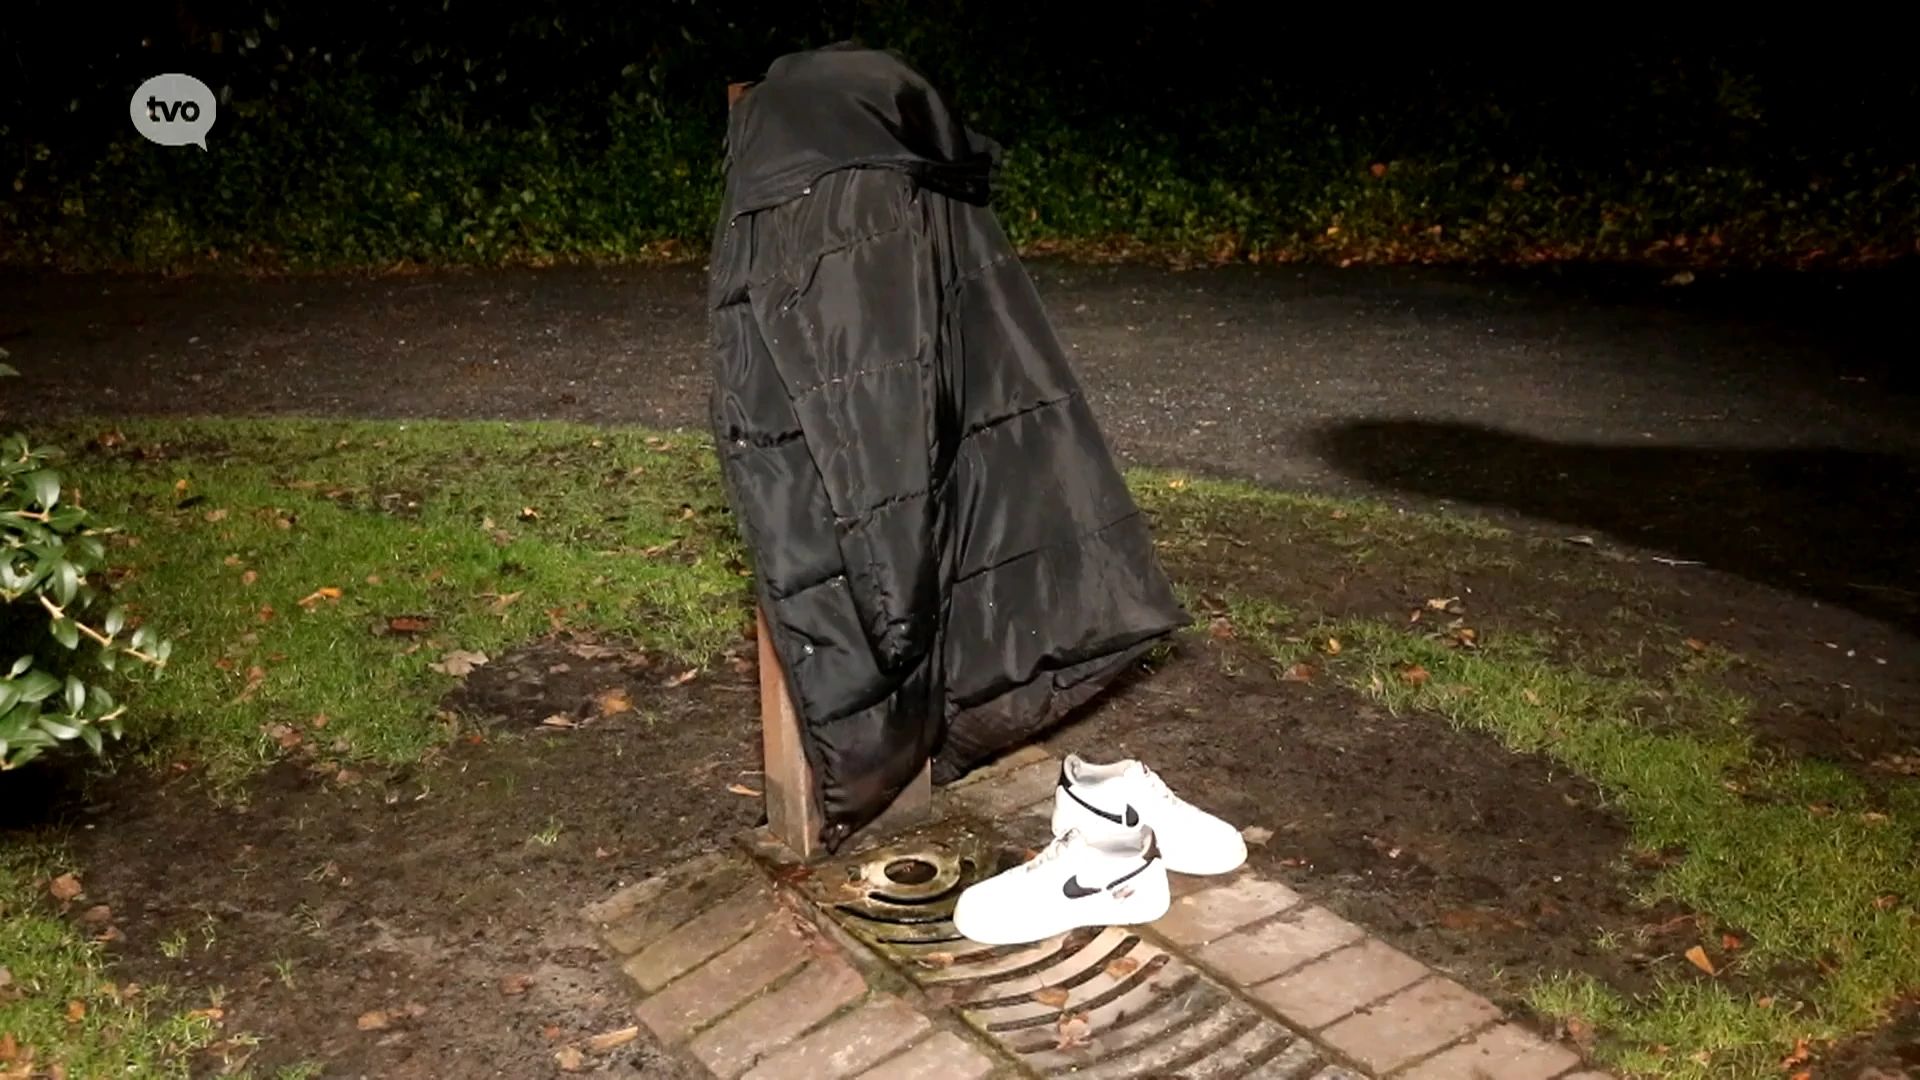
(1102, 1003)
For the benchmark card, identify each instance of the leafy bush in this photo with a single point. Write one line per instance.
(592, 129)
(53, 619)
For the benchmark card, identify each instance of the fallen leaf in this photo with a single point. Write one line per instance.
(458, 662)
(373, 1021)
(1123, 966)
(98, 914)
(249, 578)
(409, 624)
(76, 1011)
(683, 678)
(936, 960)
(613, 702)
(1415, 675)
(742, 789)
(1298, 673)
(550, 1032)
(569, 1059)
(216, 515)
(327, 592)
(1442, 603)
(1469, 919)
(1053, 997)
(1072, 1032)
(686, 513)
(528, 513)
(1378, 169)
(65, 887)
(1800, 1056)
(1333, 646)
(602, 853)
(1885, 901)
(744, 665)
(514, 985)
(560, 720)
(606, 1041)
(1256, 834)
(1221, 627)
(1697, 956)
(255, 677)
(1532, 697)
(500, 602)
(1580, 1033)
(1729, 942)
(1696, 645)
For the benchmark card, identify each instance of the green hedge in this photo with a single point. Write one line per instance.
(459, 141)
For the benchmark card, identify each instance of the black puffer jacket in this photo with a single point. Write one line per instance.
(945, 550)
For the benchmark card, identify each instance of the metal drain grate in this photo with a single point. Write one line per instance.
(1101, 1003)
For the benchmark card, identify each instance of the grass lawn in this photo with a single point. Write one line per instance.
(326, 584)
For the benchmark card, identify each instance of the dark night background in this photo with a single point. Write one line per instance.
(369, 132)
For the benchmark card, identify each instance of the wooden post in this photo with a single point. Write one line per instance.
(792, 814)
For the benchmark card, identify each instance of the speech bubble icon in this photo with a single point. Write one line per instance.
(173, 110)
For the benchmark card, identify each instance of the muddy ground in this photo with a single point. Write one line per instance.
(444, 898)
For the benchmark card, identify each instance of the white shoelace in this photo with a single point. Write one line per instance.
(1160, 789)
(1052, 851)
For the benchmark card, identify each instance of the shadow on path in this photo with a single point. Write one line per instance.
(1840, 526)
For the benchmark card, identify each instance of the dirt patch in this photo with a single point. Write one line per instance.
(1494, 866)
(1891, 1053)
(440, 903)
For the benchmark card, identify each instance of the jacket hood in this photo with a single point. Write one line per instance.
(842, 107)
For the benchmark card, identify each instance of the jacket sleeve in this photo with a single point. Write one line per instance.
(857, 338)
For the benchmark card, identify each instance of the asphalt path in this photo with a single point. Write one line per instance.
(1767, 426)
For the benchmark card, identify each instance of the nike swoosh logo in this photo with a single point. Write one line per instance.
(1130, 818)
(1076, 891)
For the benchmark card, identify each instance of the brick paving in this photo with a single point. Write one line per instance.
(752, 975)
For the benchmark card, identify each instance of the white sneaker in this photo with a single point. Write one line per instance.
(1114, 880)
(1102, 800)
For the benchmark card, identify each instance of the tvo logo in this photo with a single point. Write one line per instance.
(173, 110)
